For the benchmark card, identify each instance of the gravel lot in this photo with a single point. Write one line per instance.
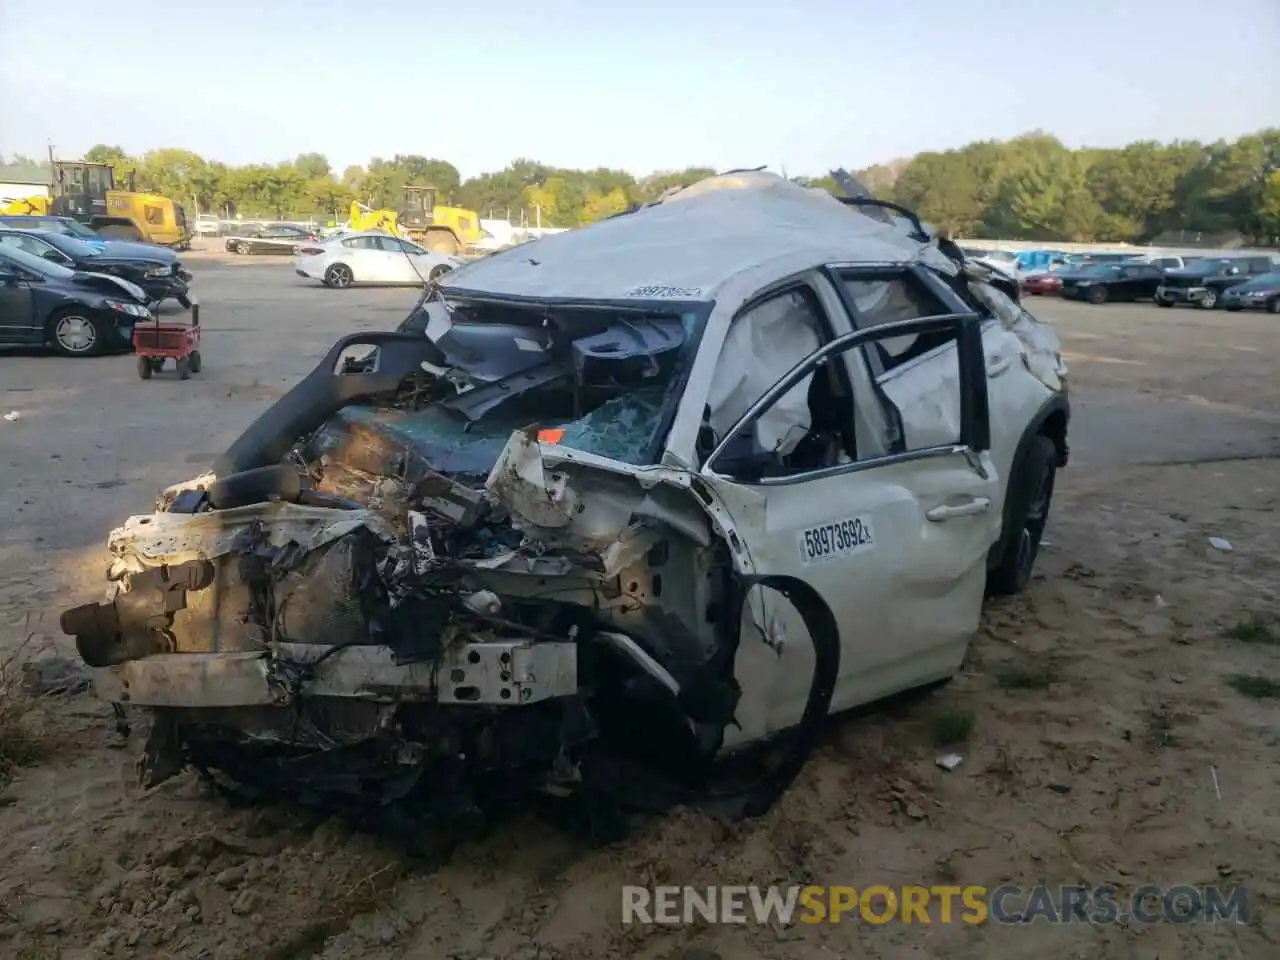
(1134, 760)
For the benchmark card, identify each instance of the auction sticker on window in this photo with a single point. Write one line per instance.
(841, 538)
(657, 291)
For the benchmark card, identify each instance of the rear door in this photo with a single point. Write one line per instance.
(1124, 283)
(1148, 280)
(893, 538)
(367, 261)
(394, 262)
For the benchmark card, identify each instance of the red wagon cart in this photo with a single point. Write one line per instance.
(157, 339)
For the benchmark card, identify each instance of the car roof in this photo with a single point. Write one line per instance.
(694, 242)
(34, 231)
(32, 216)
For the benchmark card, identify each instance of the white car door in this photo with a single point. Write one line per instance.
(893, 540)
(368, 259)
(395, 262)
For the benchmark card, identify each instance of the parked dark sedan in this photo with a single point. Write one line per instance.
(1260, 293)
(1113, 281)
(1206, 282)
(157, 270)
(273, 238)
(78, 314)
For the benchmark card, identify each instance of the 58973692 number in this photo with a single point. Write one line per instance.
(840, 538)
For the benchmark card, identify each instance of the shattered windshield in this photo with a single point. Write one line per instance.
(604, 380)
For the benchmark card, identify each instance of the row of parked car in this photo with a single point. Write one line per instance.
(64, 286)
(1240, 282)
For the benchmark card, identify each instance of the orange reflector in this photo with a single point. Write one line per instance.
(551, 435)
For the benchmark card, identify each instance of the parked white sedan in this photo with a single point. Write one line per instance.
(371, 257)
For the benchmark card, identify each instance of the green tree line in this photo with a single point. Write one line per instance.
(1032, 187)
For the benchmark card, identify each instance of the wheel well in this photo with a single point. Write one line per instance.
(1051, 422)
(53, 315)
(1054, 426)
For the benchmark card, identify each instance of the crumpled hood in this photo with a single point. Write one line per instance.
(120, 250)
(109, 284)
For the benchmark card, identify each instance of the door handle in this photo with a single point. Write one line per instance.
(999, 365)
(948, 511)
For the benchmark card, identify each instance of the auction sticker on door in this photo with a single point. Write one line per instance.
(840, 538)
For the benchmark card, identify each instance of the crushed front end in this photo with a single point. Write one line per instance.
(383, 592)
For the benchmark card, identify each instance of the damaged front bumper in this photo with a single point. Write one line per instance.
(497, 673)
(287, 645)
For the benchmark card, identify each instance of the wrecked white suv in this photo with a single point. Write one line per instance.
(634, 497)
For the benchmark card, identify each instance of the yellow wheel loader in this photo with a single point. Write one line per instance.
(87, 192)
(442, 229)
(366, 218)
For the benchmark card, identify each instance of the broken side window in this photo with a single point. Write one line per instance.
(809, 426)
(763, 343)
(888, 297)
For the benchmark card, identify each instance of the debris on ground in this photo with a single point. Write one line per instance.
(949, 761)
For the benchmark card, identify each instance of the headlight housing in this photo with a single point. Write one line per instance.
(132, 309)
(163, 271)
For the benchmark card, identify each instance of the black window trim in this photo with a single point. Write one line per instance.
(835, 272)
(969, 321)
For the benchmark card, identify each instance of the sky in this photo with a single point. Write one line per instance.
(804, 86)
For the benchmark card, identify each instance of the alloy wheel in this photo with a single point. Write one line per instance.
(76, 334)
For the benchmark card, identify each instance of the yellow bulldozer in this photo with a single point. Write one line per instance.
(87, 192)
(442, 229)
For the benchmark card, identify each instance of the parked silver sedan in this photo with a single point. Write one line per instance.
(371, 257)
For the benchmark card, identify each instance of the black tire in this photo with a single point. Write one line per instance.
(74, 332)
(438, 271)
(1273, 305)
(1163, 303)
(184, 368)
(1034, 491)
(242, 248)
(441, 241)
(184, 301)
(144, 368)
(1096, 295)
(1210, 300)
(196, 361)
(120, 231)
(339, 276)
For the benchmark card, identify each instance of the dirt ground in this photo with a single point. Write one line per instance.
(1109, 739)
